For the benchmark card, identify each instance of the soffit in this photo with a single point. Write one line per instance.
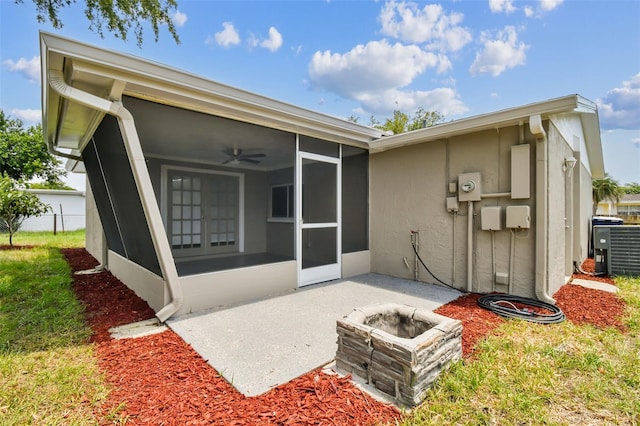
(98, 71)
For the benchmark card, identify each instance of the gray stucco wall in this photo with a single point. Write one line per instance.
(94, 237)
(559, 224)
(408, 190)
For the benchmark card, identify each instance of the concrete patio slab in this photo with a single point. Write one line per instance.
(260, 345)
(596, 285)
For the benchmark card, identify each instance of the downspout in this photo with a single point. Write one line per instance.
(470, 248)
(542, 194)
(142, 179)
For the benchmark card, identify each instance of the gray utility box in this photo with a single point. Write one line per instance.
(617, 249)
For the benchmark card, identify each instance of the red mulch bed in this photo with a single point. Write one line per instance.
(477, 322)
(589, 265)
(160, 379)
(588, 306)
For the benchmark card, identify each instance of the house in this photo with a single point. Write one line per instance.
(67, 211)
(627, 208)
(202, 195)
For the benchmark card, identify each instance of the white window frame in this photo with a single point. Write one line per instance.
(290, 203)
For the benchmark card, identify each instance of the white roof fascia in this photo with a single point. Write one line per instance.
(591, 128)
(477, 123)
(173, 84)
(56, 192)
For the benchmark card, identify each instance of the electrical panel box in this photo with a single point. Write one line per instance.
(469, 187)
(518, 217)
(520, 166)
(491, 218)
(452, 204)
(502, 278)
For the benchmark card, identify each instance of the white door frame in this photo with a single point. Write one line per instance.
(325, 272)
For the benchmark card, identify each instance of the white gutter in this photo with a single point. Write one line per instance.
(141, 177)
(542, 194)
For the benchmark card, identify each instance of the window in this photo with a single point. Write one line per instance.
(282, 202)
(204, 211)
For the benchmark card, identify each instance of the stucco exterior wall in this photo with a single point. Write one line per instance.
(559, 221)
(220, 288)
(94, 235)
(586, 211)
(408, 190)
(67, 211)
(150, 287)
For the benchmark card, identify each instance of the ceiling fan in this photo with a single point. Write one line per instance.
(235, 156)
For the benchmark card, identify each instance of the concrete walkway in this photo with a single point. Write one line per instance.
(264, 344)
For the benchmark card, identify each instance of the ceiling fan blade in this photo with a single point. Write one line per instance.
(227, 161)
(249, 160)
(254, 156)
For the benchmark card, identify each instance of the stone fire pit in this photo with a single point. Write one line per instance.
(398, 349)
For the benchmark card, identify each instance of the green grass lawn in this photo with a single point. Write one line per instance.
(523, 374)
(66, 239)
(48, 372)
(560, 374)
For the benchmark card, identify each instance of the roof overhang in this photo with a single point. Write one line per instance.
(585, 109)
(111, 75)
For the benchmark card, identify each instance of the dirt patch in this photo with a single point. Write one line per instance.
(14, 247)
(160, 379)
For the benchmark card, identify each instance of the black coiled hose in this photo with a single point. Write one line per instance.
(504, 305)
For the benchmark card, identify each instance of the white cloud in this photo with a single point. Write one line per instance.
(548, 5)
(543, 7)
(500, 53)
(29, 68)
(444, 100)
(253, 41)
(297, 50)
(498, 6)
(28, 116)
(179, 18)
(636, 142)
(227, 37)
(373, 67)
(274, 41)
(620, 108)
(429, 25)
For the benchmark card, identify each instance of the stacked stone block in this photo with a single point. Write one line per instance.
(398, 349)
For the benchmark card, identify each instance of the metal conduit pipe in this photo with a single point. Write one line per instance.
(142, 180)
(542, 194)
(470, 248)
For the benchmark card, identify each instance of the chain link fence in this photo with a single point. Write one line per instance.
(50, 222)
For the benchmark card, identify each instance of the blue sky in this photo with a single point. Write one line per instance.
(364, 58)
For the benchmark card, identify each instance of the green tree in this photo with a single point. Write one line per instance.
(606, 188)
(631, 188)
(47, 185)
(24, 154)
(401, 122)
(116, 16)
(16, 205)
